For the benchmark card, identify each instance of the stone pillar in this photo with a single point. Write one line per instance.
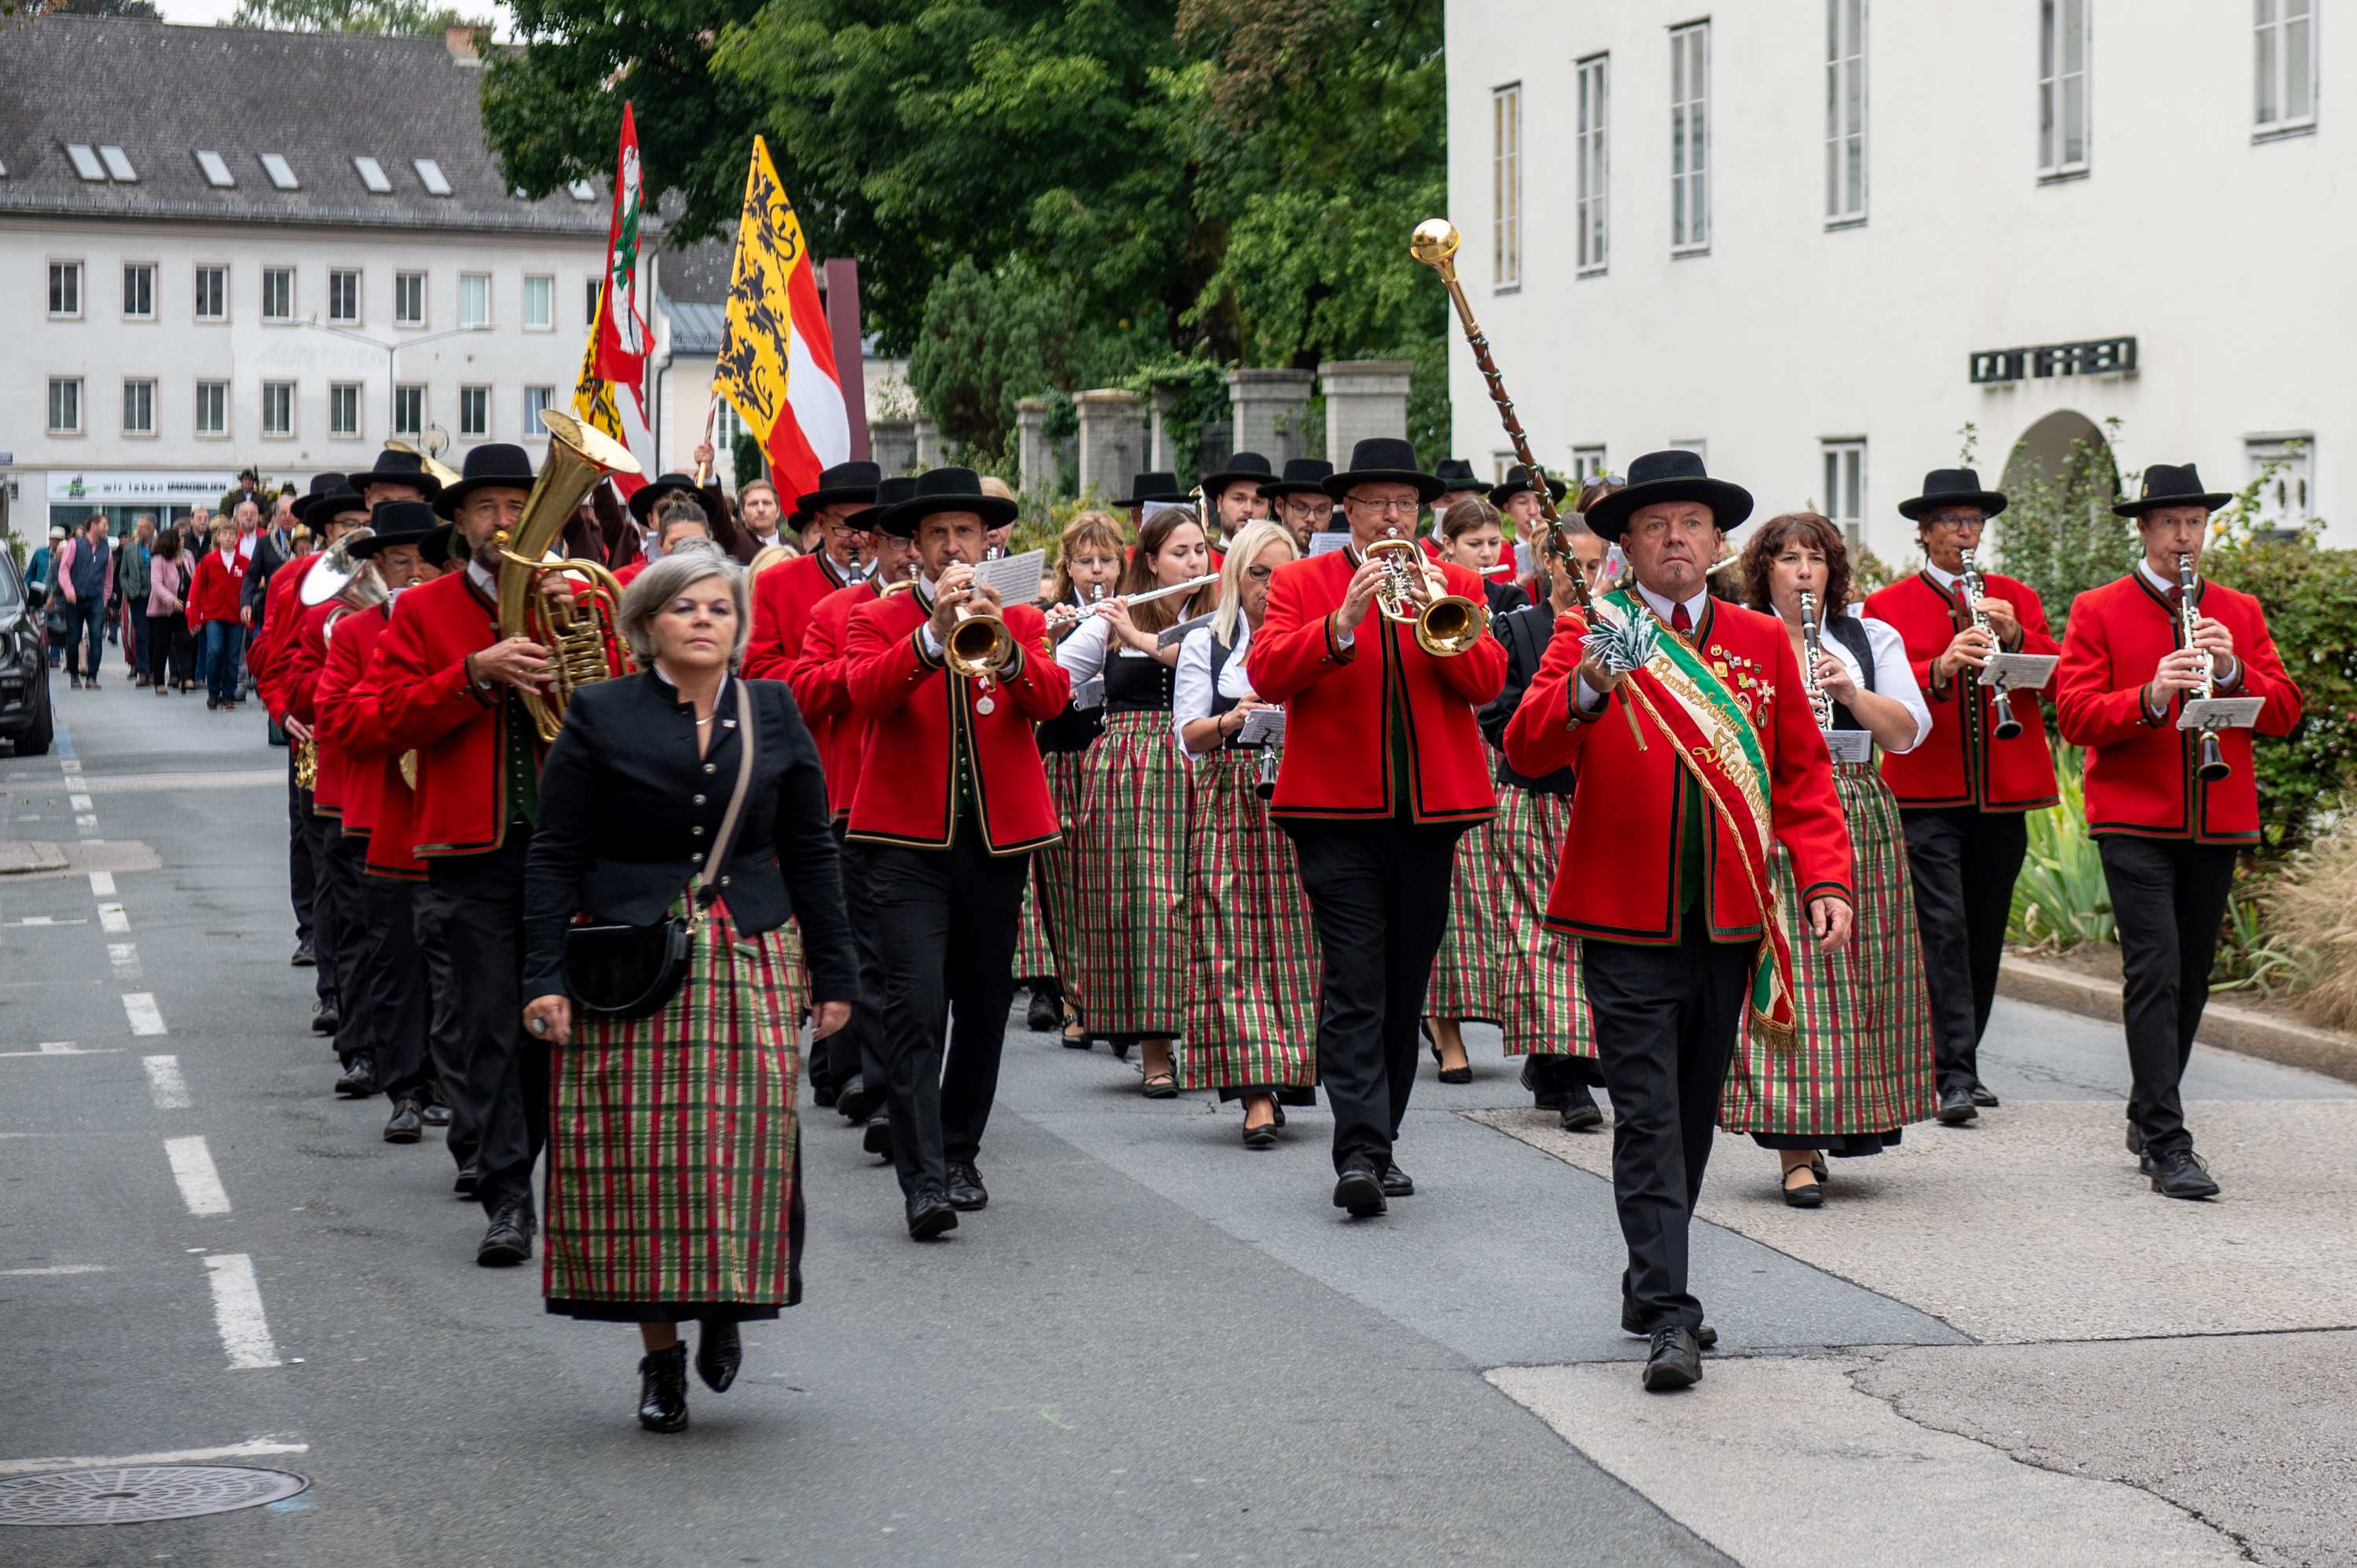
(892, 443)
(929, 440)
(1272, 412)
(1163, 461)
(1113, 440)
(1364, 399)
(1036, 458)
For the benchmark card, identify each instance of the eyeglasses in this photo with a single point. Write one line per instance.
(1955, 523)
(1407, 507)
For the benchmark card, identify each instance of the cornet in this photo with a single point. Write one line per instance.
(979, 644)
(1445, 627)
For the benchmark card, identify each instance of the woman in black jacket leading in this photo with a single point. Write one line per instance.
(674, 1171)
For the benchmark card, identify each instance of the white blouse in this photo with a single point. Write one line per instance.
(1192, 693)
(1893, 676)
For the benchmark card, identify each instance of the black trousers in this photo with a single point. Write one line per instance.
(945, 922)
(389, 978)
(171, 653)
(2169, 900)
(1378, 896)
(471, 925)
(838, 1058)
(1963, 863)
(866, 1024)
(1665, 1021)
(302, 878)
(337, 908)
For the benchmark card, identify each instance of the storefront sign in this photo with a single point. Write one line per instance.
(2097, 356)
(132, 486)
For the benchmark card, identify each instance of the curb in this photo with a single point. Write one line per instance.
(18, 857)
(2223, 1025)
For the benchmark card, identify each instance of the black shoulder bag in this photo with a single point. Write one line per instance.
(633, 971)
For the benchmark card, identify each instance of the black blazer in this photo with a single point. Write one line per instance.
(1526, 634)
(626, 807)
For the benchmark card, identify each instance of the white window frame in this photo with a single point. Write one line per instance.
(138, 432)
(485, 279)
(547, 281)
(2271, 69)
(49, 406)
(69, 267)
(479, 395)
(596, 292)
(2296, 450)
(339, 393)
(1592, 153)
(400, 278)
(532, 428)
(1586, 463)
(1848, 24)
(196, 281)
(1506, 188)
(286, 391)
(289, 313)
(1842, 459)
(219, 391)
(1690, 138)
(155, 276)
(411, 391)
(1697, 444)
(2053, 84)
(334, 274)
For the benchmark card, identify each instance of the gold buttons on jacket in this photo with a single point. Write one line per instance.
(699, 800)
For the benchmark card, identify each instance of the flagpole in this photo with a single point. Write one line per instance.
(711, 411)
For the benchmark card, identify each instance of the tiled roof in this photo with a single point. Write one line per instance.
(164, 95)
(700, 272)
(695, 328)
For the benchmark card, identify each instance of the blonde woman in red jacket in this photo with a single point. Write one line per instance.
(214, 620)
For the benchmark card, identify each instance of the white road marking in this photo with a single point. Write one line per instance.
(86, 821)
(112, 919)
(125, 956)
(102, 1051)
(192, 1167)
(164, 1084)
(257, 1448)
(237, 1311)
(53, 1269)
(49, 920)
(59, 1049)
(140, 1007)
(71, 765)
(101, 884)
(79, 802)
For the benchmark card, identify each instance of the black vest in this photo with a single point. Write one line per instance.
(1137, 683)
(1850, 633)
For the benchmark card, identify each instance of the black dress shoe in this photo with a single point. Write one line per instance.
(404, 1125)
(1984, 1096)
(2180, 1173)
(1957, 1107)
(878, 1137)
(1046, 1014)
(1810, 1194)
(1361, 1192)
(1707, 1336)
(930, 1214)
(1458, 1074)
(1397, 1183)
(1674, 1361)
(854, 1101)
(966, 1192)
(1261, 1138)
(358, 1080)
(1543, 1079)
(305, 958)
(508, 1240)
(663, 1390)
(326, 1019)
(435, 1114)
(1580, 1112)
(469, 1175)
(718, 1353)
(823, 1095)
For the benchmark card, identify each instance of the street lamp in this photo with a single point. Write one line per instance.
(392, 353)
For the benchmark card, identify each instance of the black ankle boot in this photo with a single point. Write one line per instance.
(663, 1390)
(718, 1353)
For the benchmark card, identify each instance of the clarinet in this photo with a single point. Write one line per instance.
(1264, 774)
(2001, 705)
(2214, 757)
(1820, 703)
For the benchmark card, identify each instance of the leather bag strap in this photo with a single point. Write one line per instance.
(727, 842)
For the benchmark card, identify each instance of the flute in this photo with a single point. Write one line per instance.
(1072, 615)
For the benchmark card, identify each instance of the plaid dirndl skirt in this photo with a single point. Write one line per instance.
(1126, 849)
(1545, 1009)
(1862, 1068)
(1466, 969)
(673, 1161)
(1049, 904)
(1251, 947)
(1034, 959)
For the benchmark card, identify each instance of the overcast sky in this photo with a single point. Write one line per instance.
(205, 12)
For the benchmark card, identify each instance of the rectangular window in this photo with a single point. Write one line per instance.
(2285, 62)
(344, 296)
(278, 294)
(535, 399)
(65, 289)
(539, 304)
(212, 408)
(474, 300)
(1586, 463)
(2286, 465)
(1845, 110)
(139, 408)
(278, 408)
(409, 299)
(281, 173)
(475, 412)
(344, 408)
(1690, 138)
(1694, 444)
(595, 292)
(139, 291)
(1506, 187)
(1591, 152)
(65, 405)
(1845, 471)
(212, 294)
(408, 409)
(2063, 49)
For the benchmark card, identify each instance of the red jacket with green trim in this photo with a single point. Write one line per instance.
(1962, 762)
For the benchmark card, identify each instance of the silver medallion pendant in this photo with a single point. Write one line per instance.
(985, 706)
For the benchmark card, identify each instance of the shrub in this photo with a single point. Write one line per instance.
(2060, 899)
(2312, 911)
(2307, 592)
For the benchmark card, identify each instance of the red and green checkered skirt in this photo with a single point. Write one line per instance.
(1048, 904)
(1126, 848)
(672, 1142)
(1466, 971)
(1252, 991)
(1034, 959)
(1863, 1064)
(1544, 1008)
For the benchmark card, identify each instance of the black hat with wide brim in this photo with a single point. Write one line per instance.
(1243, 468)
(1303, 477)
(1953, 486)
(889, 493)
(2166, 485)
(840, 485)
(643, 500)
(1383, 460)
(399, 522)
(938, 491)
(1672, 475)
(1519, 481)
(330, 493)
(494, 466)
(1457, 474)
(398, 468)
(1153, 486)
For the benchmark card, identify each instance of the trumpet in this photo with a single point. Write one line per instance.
(2213, 766)
(1445, 627)
(2001, 705)
(1820, 703)
(979, 644)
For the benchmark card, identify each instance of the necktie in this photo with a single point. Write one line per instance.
(1681, 622)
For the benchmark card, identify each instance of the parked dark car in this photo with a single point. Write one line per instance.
(24, 663)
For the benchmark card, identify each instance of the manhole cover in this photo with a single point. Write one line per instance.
(135, 1494)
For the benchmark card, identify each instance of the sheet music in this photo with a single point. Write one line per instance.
(1850, 745)
(1089, 693)
(2221, 713)
(1319, 543)
(1263, 726)
(2018, 672)
(1017, 577)
(1172, 636)
(1525, 563)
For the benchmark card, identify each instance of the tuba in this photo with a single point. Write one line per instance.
(576, 628)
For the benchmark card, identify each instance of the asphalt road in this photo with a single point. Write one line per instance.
(1153, 1347)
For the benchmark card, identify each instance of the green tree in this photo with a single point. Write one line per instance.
(380, 17)
(988, 339)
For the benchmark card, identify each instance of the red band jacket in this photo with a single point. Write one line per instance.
(282, 608)
(2143, 777)
(351, 640)
(783, 598)
(1366, 720)
(932, 734)
(417, 697)
(1962, 762)
(821, 677)
(1617, 876)
(302, 656)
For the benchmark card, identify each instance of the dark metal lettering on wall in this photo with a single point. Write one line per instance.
(2095, 357)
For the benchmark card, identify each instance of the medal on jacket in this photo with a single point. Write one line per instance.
(983, 704)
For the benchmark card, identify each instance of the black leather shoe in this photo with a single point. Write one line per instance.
(718, 1353)
(435, 1114)
(1397, 1183)
(1810, 1194)
(1261, 1138)
(305, 957)
(404, 1125)
(1046, 1014)
(507, 1240)
(326, 1019)
(1707, 1336)
(1957, 1107)
(878, 1137)
(1541, 1077)
(663, 1391)
(823, 1095)
(1580, 1112)
(1674, 1361)
(966, 1192)
(2180, 1173)
(469, 1175)
(930, 1214)
(1361, 1192)
(1984, 1096)
(358, 1080)
(854, 1100)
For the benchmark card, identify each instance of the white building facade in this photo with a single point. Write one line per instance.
(1817, 239)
